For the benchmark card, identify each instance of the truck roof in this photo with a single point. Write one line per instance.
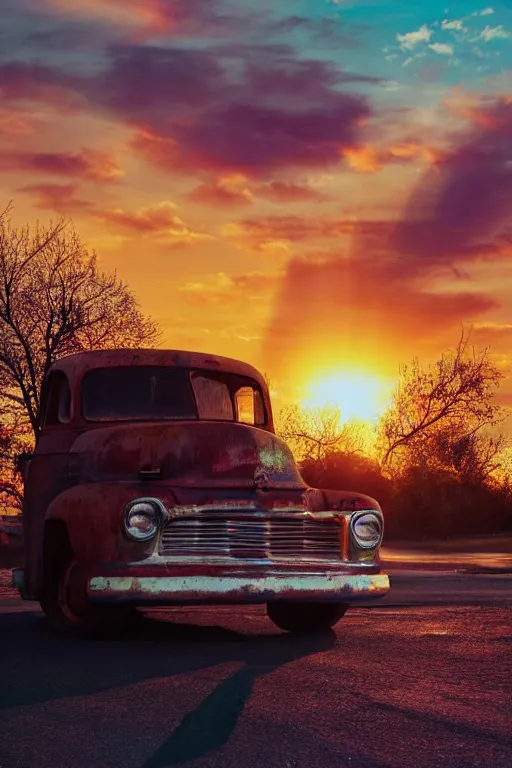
(75, 366)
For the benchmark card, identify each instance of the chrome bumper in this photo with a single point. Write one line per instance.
(307, 586)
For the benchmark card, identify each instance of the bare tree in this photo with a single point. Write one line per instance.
(473, 457)
(457, 392)
(503, 472)
(55, 300)
(314, 432)
(16, 438)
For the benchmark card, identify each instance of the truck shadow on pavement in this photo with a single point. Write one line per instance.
(41, 667)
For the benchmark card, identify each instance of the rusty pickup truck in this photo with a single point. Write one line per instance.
(158, 480)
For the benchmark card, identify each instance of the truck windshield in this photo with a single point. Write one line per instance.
(150, 393)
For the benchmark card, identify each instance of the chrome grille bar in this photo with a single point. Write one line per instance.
(256, 538)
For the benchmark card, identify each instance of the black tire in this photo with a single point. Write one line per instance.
(305, 617)
(59, 604)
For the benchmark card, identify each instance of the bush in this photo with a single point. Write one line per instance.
(348, 472)
(436, 504)
(421, 503)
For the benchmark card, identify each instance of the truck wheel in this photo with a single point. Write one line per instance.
(66, 608)
(305, 617)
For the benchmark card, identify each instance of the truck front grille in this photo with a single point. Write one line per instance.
(255, 538)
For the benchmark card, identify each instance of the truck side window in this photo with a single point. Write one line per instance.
(58, 399)
(244, 400)
(249, 406)
(213, 398)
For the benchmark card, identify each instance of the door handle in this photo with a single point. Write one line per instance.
(150, 472)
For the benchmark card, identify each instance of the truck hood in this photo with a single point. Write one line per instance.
(197, 454)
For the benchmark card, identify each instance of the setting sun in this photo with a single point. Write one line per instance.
(358, 395)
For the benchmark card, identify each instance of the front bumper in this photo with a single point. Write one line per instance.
(142, 585)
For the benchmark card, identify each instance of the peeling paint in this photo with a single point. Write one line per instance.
(251, 588)
(274, 457)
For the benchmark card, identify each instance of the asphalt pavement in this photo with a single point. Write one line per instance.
(422, 679)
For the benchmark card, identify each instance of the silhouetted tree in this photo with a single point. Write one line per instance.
(313, 433)
(471, 456)
(16, 438)
(54, 301)
(454, 395)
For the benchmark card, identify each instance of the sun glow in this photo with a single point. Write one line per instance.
(361, 396)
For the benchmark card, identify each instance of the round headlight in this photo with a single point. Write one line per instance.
(367, 530)
(142, 520)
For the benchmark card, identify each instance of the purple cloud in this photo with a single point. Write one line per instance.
(465, 200)
(57, 197)
(20, 81)
(89, 164)
(201, 115)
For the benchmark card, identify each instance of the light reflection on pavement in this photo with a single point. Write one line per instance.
(446, 560)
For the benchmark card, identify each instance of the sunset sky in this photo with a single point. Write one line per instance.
(313, 186)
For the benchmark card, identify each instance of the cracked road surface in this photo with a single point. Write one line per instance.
(422, 681)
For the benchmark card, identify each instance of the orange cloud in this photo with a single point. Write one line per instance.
(487, 112)
(493, 334)
(234, 191)
(370, 159)
(160, 220)
(287, 192)
(15, 122)
(292, 228)
(156, 17)
(121, 12)
(222, 288)
(57, 197)
(409, 150)
(363, 159)
(257, 233)
(221, 193)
